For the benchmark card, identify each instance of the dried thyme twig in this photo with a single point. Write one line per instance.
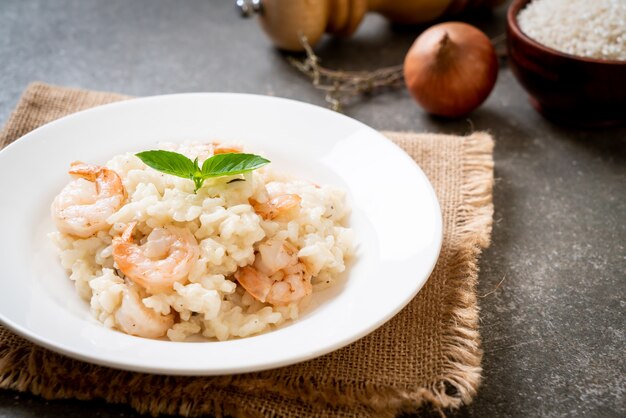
(342, 85)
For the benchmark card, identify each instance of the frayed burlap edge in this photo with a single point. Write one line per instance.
(454, 387)
(473, 223)
(460, 381)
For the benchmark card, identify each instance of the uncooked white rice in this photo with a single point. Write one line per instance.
(209, 303)
(585, 28)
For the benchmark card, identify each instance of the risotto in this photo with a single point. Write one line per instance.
(237, 257)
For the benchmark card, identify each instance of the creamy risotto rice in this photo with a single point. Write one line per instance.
(155, 259)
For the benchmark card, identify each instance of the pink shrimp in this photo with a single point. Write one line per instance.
(134, 318)
(281, 207)
(277, 276)
(220, 149)
(167, 256)
(82, 207)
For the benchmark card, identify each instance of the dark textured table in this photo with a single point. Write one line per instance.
(553, 332)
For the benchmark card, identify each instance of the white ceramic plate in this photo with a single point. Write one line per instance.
(395, 216)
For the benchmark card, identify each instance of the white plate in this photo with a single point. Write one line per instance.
(395, 216)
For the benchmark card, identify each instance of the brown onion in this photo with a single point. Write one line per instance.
(450, 69)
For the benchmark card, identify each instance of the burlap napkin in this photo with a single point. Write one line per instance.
(429, 354)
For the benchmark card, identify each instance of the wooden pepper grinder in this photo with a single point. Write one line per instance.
(284, 20)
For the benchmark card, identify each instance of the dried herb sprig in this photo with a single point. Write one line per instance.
(340, 86)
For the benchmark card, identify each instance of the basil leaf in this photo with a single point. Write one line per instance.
(232, 163)
(168, 162)
(218, 165)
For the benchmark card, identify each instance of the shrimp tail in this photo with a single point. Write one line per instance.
(280, 207)
(219, 149)
(87, 171)
(254, 282)
(106, 180)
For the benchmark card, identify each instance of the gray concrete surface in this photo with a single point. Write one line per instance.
(553, 333)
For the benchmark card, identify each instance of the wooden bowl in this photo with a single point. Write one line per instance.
(565, 88)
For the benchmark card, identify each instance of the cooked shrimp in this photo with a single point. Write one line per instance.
(275, 255)
(220, 149)
(281, 207)
(166, 257)
(277, 277)
(293, 287)
(83, 206)
(254, 282)
(134, 318)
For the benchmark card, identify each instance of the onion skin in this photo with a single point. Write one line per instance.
(450, 69)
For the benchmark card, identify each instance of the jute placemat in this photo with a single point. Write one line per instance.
(429, 354)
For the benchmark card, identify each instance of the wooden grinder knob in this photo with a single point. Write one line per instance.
(285, 20)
